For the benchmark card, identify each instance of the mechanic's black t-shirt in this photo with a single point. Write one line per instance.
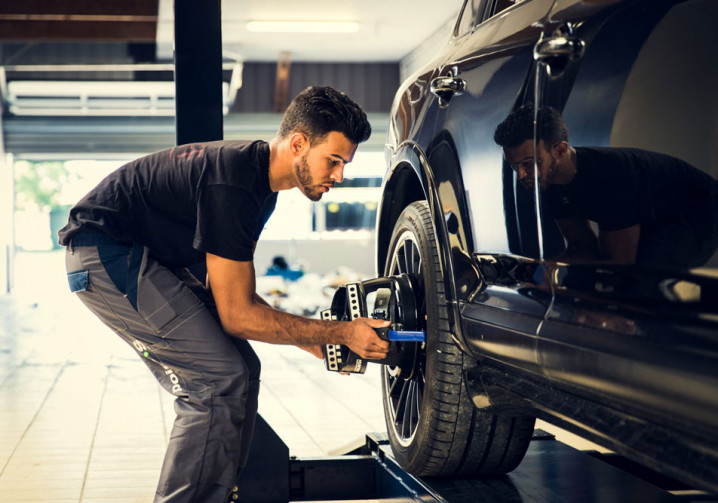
(182, 202)
(622, 187)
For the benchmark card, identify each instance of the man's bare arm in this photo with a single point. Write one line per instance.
(581, 242)
(315, 350)
(621, 246)
(243, 315)
(610, 247)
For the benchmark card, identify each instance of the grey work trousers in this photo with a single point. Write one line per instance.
(169, 319)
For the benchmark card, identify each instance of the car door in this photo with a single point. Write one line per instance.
(641, 337)
(500, 280)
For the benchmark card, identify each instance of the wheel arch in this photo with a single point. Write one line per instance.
(401, 188)
(410, 178)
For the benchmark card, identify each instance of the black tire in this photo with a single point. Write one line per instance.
(433, 427)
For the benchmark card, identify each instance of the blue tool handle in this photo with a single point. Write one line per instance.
(407, 335)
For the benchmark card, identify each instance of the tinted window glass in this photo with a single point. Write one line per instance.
(501, 5)
(468, 17)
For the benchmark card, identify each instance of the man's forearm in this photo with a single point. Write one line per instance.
(583, 252)
(260, 300)
(314, 349)
(260, 322)
(243, 314)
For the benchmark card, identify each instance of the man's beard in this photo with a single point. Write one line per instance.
(547, 175)
(544, 180)
(306, 182)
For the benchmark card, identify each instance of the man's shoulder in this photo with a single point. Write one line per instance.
(233, 154)
(234, 161)
(591, 153)
(249, 148)
(213, 150)
(616, 162)
(625, 154)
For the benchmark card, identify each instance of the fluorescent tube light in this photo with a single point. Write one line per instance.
(302, 26)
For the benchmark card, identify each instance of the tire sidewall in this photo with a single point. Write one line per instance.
(414, 455)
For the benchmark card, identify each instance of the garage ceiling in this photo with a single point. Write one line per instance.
(386, 30)
(72, 41)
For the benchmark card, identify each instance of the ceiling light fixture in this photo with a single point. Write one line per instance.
(302, 26)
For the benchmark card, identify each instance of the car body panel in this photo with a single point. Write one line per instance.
(618, 329)
(591, 347)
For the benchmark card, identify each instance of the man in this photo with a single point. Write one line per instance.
(651, 209)
(130, 240)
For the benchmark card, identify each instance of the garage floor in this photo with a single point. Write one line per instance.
(82, 420)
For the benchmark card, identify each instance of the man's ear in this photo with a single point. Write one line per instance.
(560, 149)
(297, 143)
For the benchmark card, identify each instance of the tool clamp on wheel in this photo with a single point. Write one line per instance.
(393, 300)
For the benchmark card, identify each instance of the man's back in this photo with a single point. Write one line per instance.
(169, 201)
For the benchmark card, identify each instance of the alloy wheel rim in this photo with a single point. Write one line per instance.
(404, 396)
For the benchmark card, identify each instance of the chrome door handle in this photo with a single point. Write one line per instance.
(557, 50)
(446, 87)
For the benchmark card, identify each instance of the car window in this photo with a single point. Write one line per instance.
(477, 11)
(502, 5)
(468, 17)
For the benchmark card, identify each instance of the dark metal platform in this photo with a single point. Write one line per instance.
(551, 472)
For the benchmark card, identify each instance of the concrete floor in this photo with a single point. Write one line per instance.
(82, 419)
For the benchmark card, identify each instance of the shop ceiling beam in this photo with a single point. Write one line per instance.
(132, 31)
(106, 20)
(120, 8)
(198, 71)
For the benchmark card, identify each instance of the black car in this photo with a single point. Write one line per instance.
(623, 353)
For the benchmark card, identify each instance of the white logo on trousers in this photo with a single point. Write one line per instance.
(176, 388)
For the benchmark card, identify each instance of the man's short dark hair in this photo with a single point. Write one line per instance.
(319, 110)
(519, 127)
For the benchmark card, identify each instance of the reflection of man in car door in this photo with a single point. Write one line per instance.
(651, 209)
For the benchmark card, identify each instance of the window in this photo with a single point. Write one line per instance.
(467, 19)
(502, 5)
(349, 215)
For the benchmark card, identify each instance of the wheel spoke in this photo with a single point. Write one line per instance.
(391, 388)
(401, 403)
(408, 252)
(400, 261)
(412, 258)
(415, 409)
(414, 416)
(406, 420)
(417, 402)
(398, 403)
(418, 268)
(409, 411)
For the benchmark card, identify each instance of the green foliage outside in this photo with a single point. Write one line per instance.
(41, 188)
(38, 185)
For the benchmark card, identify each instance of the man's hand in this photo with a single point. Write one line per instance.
(363, 340)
